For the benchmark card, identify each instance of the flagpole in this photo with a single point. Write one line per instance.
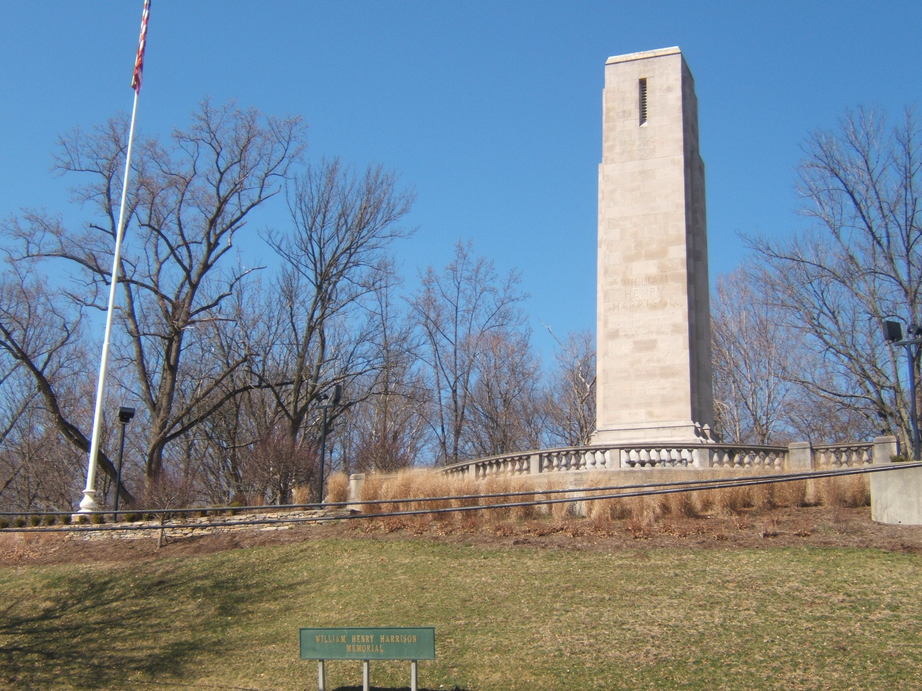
(88, 503)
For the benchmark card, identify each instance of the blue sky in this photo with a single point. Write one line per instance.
(489, 110)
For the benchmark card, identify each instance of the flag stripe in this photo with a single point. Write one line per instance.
(142, 41)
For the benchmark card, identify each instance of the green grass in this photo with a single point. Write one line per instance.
(506, 617)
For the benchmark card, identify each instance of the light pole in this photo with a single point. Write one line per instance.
(325, 407)
(124, 417)
(893, 332)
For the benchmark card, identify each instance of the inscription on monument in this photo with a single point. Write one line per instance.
(638, 294)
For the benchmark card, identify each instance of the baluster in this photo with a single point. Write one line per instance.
(644, 457)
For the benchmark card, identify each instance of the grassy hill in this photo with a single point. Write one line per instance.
(507, 616)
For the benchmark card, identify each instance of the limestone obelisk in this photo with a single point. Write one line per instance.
(653, 324)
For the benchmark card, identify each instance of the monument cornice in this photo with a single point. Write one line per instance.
(643, 55)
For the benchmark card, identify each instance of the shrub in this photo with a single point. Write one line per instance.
(301, 494)
(522, 513)
(337, 488)
(792, 493)
(461, 487)
(495, 485)
(641, 512)
(846, 491)
(679, 504)
(644, 513)
(762, 497)
(730, 500)
(603, 511)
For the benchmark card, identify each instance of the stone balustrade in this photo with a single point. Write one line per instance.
(796, 456)
(844, 455)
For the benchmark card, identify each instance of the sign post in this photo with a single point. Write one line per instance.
(366, 644)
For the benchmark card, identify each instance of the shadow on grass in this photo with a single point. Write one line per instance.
(95, 630)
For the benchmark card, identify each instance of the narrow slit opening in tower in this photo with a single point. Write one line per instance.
(642, 85)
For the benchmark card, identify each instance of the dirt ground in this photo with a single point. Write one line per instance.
(806, 527)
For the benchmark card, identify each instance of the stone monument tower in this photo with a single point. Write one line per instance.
(654, 354)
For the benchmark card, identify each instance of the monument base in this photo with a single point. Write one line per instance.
(686, 432)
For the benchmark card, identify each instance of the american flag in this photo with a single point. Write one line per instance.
(139, 60)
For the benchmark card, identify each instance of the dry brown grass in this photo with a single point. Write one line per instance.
(639, 513)
(849, 491)
(791, 493)
(301, 494)
(337, 487)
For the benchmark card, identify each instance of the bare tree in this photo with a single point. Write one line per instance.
(506, 410)
(224, 444)
(324, 330)
(17, 394)
(759, 362)
(859, 264)
(40, 344)
(457, 310)
(571, 393)
(191, 198)
(387, 430)
(818, 419)
(752, 352)
(39, 469)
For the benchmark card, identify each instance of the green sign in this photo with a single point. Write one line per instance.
(368, 644)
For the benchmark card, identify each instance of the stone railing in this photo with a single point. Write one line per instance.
(800, 455)
(844, 455)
